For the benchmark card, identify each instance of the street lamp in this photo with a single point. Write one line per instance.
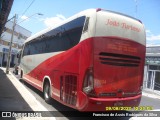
(10, 46)
(30, 17)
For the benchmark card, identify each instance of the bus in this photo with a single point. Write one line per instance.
(91, 60)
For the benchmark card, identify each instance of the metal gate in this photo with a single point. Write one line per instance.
(153, 77)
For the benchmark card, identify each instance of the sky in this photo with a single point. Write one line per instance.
(55, 11)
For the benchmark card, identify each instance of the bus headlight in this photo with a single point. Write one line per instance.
(88, 82)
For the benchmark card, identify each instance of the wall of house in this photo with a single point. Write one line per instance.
(20, 35)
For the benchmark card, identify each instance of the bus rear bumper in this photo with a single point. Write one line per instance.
(104, 104)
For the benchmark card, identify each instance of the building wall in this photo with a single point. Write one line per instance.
(20, 35)
(152, 68)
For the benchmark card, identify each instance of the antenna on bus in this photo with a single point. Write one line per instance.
(136, 8)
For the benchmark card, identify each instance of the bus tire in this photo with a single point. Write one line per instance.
(46, 93)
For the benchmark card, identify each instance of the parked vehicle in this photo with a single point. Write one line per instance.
(90, 61)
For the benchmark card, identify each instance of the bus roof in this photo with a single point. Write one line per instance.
(82, 13)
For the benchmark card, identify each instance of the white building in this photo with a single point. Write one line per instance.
(20, 35)
(152, 68)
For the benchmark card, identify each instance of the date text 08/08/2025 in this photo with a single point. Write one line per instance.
(139, 108)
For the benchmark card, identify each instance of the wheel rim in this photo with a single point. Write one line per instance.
(46, 91)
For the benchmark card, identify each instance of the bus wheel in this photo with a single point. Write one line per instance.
(46, 93)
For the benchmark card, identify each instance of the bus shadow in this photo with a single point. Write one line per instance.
(71, 114)
(58, 106)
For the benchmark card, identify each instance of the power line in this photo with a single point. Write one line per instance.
(136, 7)
(28, 7)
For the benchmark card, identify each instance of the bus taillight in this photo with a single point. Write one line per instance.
(88, 85)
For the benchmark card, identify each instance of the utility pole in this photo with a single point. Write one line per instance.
(10, 45)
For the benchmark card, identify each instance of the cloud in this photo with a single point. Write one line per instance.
(24, 17)
(61, 16)
(152, 44)
(148, 31)
(152, 37)
(53, 21)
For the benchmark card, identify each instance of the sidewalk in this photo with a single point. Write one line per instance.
(10, 98)
(151, 93)
(15, 97)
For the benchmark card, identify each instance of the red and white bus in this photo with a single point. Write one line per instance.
(92, 60)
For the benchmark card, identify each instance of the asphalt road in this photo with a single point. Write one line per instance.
(56, 106)
(148, 101)
(145, 101)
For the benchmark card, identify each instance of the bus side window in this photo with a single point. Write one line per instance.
(59, 39)
(25, 50)
(28, 52)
